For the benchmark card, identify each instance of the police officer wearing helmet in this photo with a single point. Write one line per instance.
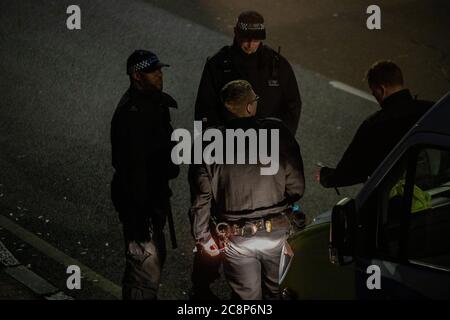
(141, 146)
(272, 78)
(269, 73)
(250, 209)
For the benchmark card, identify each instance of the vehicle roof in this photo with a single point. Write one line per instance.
(437, 119)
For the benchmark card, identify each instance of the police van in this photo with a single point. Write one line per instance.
(393, 240)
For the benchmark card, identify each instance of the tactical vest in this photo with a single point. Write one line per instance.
(230, 72)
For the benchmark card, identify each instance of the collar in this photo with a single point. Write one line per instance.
(246, 57)
(155, 95)
(395, 99)
(241, 122)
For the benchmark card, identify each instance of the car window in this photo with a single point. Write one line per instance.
(390, 202)
(414, 209)
(429, 227)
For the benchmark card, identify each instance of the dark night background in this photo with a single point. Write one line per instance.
(59, 88)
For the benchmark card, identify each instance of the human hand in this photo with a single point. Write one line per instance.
(211, 247)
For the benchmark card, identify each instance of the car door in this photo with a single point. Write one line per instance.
(407, 234)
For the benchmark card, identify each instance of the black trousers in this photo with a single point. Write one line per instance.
(205, 272)
(142, 274)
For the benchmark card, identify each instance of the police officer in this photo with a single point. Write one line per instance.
(271, 75)
(141, 146)
(251, 206)
(380, 132)
(247, 58)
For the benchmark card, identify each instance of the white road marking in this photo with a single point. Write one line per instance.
(60, 257)
(349, 89)
(36, 283)
(6, 257)
(59, 296)
(28, 278)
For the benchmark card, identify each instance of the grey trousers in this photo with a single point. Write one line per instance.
(251, 265)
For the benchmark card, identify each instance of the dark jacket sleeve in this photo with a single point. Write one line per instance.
(295, 178)
(291, 96)
(207, 104)
(202, 197)
(353, 168)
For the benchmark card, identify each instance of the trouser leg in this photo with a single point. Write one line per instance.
(205, 272)
(242, 271)
(143, 271)
(252, 265)
(270, 264)
(142, 274)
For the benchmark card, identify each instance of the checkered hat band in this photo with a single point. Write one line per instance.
(251, 26)
(143, 64)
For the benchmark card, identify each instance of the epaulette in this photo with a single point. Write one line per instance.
(270, 119)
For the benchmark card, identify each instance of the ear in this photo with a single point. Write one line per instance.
(136, 76)
(249, 108)
(228, 107)
(379, 89)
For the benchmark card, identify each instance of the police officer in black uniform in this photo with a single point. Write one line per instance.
(379, 133)
(272, 78)
(269, 73)
(141, 147)
(252, 207)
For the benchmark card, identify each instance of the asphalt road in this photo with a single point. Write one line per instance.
(331, 37)
(59, 89)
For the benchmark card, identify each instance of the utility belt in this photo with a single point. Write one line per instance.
(248, 228)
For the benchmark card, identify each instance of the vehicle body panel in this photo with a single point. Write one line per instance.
(312, 276)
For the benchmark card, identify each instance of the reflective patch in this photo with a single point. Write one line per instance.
(251, 26)
(273, 83)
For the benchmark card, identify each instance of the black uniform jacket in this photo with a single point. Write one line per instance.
(375, 138)
(270, 75)
(141, 147)
(236, 192)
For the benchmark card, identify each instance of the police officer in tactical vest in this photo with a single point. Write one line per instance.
(269, 73)
(272, 78)
(141, 146)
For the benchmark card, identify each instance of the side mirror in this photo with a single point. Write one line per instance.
(342, 232)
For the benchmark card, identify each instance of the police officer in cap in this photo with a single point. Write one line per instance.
(272, 78)
(269, 73)
(141, 146)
